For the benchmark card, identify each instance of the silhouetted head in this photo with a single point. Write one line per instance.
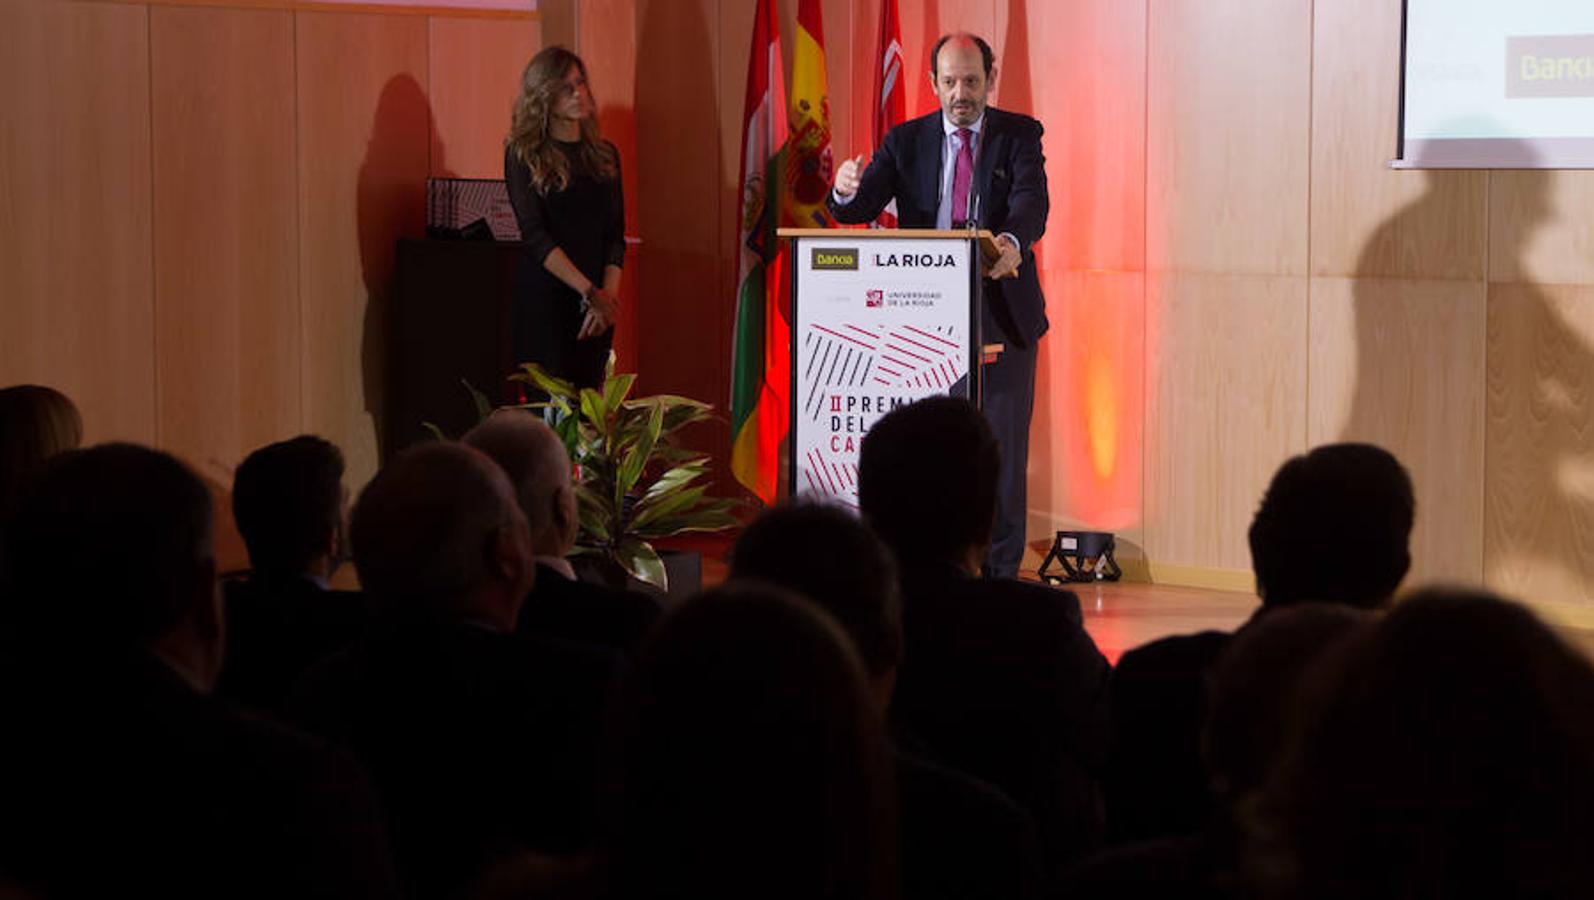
(538, 465)
(829, 556)
(36, 422)
(1446, 752)
(111, 550)
(288, 500)
(437, 535)
(1255, 686)
(1335, 527)
(927, 477)
(749, 759)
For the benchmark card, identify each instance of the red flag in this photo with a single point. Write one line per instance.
(890, 103)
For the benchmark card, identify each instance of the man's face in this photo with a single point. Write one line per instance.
(960, 82)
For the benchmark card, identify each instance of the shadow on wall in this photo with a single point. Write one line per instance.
(681, 207)
(391, 204)
(1535, 415)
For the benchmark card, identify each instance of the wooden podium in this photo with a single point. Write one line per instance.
(879, 318)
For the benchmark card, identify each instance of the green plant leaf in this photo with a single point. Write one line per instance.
(667, 504)
(616, 389)
(674, 455)
(435, 432)
(484, 407)
(678, 411)
(537, 376)
(636, 457)
(596, 514)
(594, 410)
(698, 520)
(642, 561)
(673, 478)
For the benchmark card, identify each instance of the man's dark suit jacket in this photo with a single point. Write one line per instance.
(1156, 780)
(574, 610)
(120, 780)
(1009, 182)
(276, 630)
(480, 743)
(962, 839)
(999, 679)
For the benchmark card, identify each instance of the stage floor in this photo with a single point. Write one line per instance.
(1123, 615)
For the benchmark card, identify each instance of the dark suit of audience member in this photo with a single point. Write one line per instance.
(748, 760)
(120, 775)
(1333, 527)
(1445, 751)
(559, 605)
(999, 678)
(289, 503)
(482, 743)
(277, 630)
(960, 837)
(564, 607)
(1255, 685)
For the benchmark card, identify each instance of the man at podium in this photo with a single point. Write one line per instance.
(971, 164)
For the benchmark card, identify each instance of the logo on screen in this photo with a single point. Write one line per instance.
(836, 259)
(875, 298)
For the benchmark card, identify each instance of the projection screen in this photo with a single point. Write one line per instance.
(1493, 84)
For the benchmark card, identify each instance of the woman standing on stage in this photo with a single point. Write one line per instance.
(564, 183)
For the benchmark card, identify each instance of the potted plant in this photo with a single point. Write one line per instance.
(635, 483)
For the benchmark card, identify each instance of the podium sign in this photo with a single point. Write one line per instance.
(877, 322)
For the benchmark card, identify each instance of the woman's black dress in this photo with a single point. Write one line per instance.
(587, 221)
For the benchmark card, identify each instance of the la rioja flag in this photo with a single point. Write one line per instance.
(760, 367)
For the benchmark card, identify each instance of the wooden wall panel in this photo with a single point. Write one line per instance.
(608, 46)
(1225, 405)
(1089, 91)
(77, 312)
(1370, 221)
(1086, 439)
(1539, 477)
(690, 82)
(363, 161)
(1228, 95)
(1399, 363)
(475, 67)
(226, 232)
(1541, 228)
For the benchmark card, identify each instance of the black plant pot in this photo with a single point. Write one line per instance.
(683, 569)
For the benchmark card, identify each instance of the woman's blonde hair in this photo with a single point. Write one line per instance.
(36, 423)
(529, 138)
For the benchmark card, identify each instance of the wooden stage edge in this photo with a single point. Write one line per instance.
(1157, 600)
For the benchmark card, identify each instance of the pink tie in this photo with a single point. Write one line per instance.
(962, 176)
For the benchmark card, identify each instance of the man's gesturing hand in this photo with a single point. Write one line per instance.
(1006, 265)
(849, 174)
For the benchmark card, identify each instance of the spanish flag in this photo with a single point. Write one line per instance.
(809, 167)
(760, 365)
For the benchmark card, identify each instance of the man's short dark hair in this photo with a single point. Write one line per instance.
(106, 544)
(927, 477)
(1334, 526)
(829, 556)
(986, 56)
(287, 499)
(420, 530)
